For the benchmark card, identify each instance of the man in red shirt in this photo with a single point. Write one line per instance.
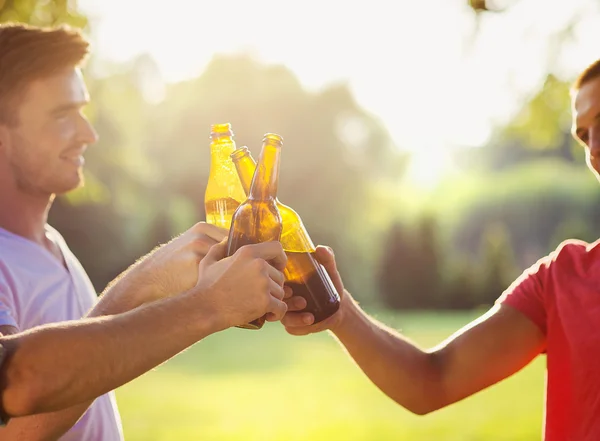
(554, 307)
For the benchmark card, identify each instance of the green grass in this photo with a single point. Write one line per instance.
(266, 385)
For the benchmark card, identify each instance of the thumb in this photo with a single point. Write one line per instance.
(326, 258)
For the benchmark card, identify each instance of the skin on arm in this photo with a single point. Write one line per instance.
(180, 257)
(43, 369)
(491, 348)
(42, 427)
(169, 269)
(45, 365)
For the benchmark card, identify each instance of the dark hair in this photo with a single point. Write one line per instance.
(29, 53)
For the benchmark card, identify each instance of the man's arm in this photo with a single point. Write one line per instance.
(182, 255)
(56, 366)
(484, 352)
(52, 425)
(43, 427)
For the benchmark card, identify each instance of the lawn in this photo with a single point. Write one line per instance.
(266, 385)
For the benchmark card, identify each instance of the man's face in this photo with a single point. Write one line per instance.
(586, 122)
(45, 148)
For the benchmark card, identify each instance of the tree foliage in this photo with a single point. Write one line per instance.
(41, 13)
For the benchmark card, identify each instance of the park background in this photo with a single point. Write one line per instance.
(428, 143)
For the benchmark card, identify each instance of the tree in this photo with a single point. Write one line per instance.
(410, 266)
(395, 269)
(42, 12)
(461, 285)
(572, 228)
(497, 264)
(322, 177)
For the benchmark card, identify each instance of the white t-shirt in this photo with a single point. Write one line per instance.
(35, 289)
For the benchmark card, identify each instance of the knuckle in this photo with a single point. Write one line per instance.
(280, 294)
(283, 309)
(246, 251)
(201, 244)
(259, 265)
(200, 227)
(264, 286)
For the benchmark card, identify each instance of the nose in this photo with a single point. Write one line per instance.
(87, 133)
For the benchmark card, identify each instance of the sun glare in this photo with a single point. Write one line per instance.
(409, 77)
(427, 169)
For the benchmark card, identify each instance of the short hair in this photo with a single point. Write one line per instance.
(29, 53)
(591, 72)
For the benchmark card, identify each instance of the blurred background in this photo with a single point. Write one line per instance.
(427, 142)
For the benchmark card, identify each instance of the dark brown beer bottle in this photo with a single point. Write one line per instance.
(303, 273)
(224, 192)
(258, 219)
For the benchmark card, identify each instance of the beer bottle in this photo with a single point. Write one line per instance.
(257, 219)
(303, 273)
(224, 192)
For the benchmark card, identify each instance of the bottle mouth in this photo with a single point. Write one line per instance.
(273, 139)
(219, 130)
(239, 153)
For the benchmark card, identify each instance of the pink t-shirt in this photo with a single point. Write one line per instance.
(561, 294)
(35, 289)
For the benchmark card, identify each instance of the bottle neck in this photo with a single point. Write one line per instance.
(245, 166)
(266, 178)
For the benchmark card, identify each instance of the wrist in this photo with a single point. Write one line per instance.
(348, 314)
(208, 316)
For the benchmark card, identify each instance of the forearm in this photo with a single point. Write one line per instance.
(43, 427)
(403, 371)
(116, 299)
(42, 372)
(120, 296)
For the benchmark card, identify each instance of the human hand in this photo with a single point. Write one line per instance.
(301, 323)
(247, 285)
(171, 268)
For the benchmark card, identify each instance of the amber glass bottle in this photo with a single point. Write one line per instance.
(303, 273)
(258, 219)
(224, 192)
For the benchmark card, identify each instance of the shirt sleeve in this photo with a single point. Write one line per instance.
(7, 318)
(7, 304)
(3, 417)
(527, 294)
(530, 293)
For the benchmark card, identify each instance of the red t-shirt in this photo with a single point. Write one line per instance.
(561, 294)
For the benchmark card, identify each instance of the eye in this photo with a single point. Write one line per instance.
(61, 116)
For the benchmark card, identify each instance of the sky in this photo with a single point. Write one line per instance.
(412, 63)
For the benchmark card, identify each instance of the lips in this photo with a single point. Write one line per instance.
(74, 156)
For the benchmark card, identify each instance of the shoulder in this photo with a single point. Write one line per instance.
(17, 252)
(573, 252)
(574, 246)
